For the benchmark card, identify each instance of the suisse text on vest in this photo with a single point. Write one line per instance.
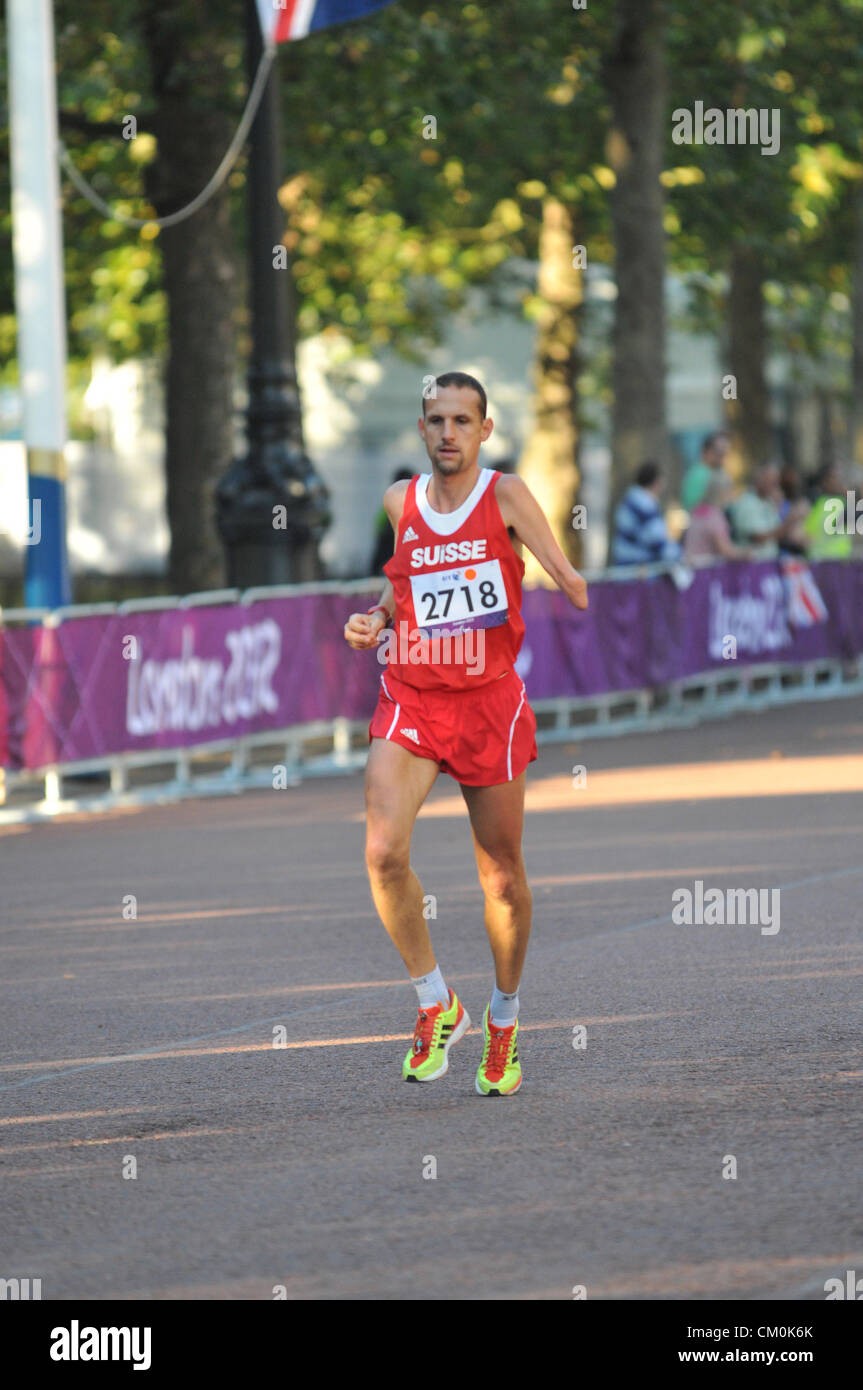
(447, 554)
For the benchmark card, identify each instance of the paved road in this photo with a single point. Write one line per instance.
(152, 1039)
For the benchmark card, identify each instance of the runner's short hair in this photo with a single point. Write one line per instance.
(462, 381)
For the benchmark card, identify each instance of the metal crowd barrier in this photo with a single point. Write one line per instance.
(340, 746)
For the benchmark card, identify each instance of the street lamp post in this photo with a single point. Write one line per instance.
(272, 506)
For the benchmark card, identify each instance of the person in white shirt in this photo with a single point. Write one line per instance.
(755, 516)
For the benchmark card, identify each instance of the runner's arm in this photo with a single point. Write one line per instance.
(520, 510)
(362, 629)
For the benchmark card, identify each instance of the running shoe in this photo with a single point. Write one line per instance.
(499, 1071)
(436, 1031)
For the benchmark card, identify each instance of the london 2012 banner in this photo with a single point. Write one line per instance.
(283, 20)
(169, 678)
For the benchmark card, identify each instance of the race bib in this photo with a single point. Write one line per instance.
(472, 596)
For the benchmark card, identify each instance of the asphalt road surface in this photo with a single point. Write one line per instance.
(147, 1043)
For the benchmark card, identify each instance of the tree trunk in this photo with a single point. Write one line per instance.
(635, 79)
(199, 277)
(749, 414)
(548, 463)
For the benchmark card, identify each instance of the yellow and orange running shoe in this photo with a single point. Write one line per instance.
(499, 1071)
(436, 1031)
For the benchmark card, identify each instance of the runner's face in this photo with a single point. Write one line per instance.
(453, 430)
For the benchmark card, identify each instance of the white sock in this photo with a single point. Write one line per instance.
(431, 989)
(503, 1010)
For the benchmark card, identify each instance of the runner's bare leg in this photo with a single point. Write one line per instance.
(497, 817)
(397, 784)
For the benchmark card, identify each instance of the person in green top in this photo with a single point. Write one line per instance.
(829, 530)
(698, 477)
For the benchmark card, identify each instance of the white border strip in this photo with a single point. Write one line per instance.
(511, 732)
(302, 18)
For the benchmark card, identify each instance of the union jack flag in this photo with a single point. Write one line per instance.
(282, 20)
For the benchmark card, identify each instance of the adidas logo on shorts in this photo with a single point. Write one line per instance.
(410, 535)
(410, 733)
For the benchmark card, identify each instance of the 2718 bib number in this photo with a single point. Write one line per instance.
(470, 597)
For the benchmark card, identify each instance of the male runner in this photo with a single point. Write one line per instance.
(456, 569)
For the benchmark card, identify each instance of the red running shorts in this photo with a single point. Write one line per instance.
(480, 737)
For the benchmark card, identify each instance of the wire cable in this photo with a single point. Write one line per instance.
(230, 158)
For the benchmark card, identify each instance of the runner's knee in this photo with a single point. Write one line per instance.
(504, 881)
(387, 857)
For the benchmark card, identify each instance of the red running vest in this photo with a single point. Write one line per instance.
(457, 585)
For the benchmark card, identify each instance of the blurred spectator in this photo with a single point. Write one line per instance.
(812, 486)
(384, 537)
(695, 481)
(830, 536)
(793, 511)
(755, 515)
(640, 533)
(709, 534)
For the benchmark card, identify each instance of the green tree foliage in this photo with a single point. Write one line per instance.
(389, 230)
(423, 170)
(794, 211)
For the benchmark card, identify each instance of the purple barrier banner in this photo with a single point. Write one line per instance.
(643, 633)
(174, 678)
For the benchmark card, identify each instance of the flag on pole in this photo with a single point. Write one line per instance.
(282, 20)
